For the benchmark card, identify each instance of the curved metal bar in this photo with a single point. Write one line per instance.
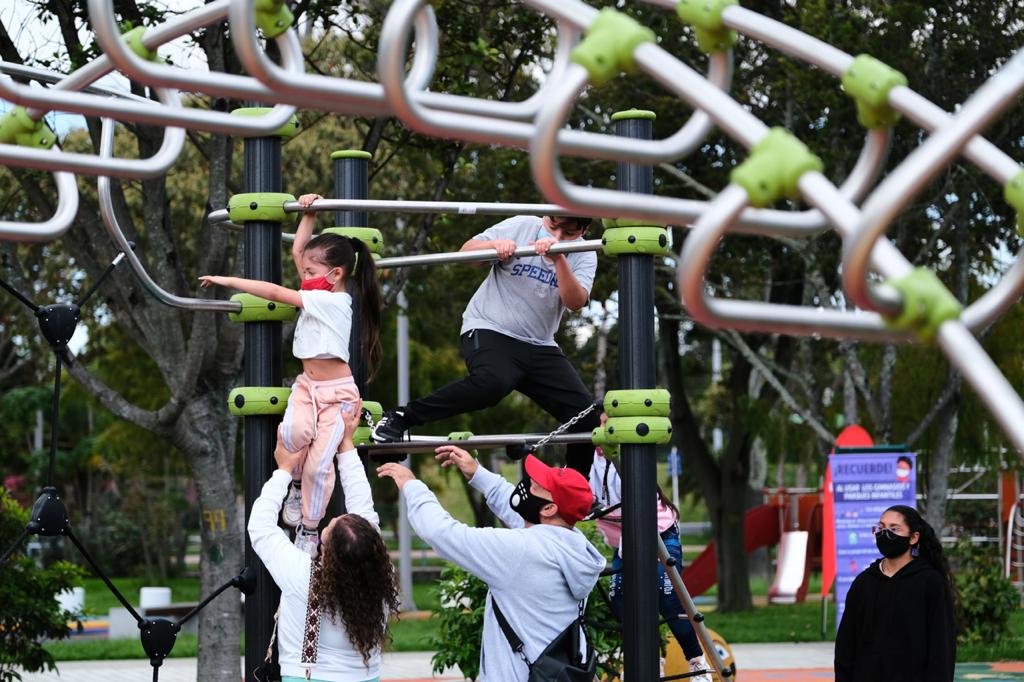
(56, 225)
(900, 186)
(757, 316)
(486, 130)
(90, 164)
(117, 234)
(101, 12)
(547, 174)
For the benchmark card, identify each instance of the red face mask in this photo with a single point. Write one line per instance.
(317, 284)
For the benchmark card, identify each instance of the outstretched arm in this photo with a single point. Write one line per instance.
(256, 287)
(304, 232)
(351, 473)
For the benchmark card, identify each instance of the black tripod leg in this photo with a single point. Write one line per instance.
(14, 546)
(54, 418)
(99, 280)
(18, 295)
(102, 575)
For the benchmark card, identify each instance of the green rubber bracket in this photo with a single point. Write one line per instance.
(256, 309)
(259, 206)
(1013, 192)
(868, 81)
(460, 435)
(361, 436)
(246, 401)
(273, 17)
(628, 222)
(632, 114)
(286, 131)
(351, 154)
(638, 430)
(774, 167)
(375, 408)
(608, 48)
(17, 127)
(133, 39)
(927, 303)
(705, 16)
(642, 402)
(632, 240)
(371, 236)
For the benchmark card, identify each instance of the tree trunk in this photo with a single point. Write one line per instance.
(942, 458)
(206, 433)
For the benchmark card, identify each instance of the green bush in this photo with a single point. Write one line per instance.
(986, 597)
(28, 593)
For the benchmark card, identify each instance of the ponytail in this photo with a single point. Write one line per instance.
(371, 300)
(354, 257)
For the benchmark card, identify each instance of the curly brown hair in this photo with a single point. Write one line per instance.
(358, 585)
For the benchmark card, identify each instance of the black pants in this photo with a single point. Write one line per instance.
(498, 365)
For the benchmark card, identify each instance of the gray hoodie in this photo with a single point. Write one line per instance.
(538, 575)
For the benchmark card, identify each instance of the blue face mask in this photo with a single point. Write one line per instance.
(543, 233)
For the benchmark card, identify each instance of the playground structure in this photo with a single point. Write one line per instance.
(908, 305)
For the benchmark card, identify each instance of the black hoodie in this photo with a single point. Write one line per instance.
(898, 629)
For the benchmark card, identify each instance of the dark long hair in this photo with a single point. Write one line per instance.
(358, 585)
(928, 545)
(349, 253)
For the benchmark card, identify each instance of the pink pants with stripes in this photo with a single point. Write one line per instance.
(313, 425)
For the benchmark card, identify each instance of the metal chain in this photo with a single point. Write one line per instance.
(565, 426)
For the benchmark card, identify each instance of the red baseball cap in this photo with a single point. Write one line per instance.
(569, 490)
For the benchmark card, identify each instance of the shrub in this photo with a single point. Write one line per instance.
(28, 593)
(986, 597)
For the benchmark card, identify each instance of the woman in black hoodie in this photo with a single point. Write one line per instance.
(899, 623)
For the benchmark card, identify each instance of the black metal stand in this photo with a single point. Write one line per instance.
(639, 473)
(49, 516)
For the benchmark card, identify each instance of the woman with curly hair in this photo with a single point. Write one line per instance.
(335, 607)
(899, 624)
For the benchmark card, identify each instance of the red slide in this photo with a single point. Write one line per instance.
(760, 528)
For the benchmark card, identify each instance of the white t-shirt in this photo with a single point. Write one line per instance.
(324, 325)
(520, 297)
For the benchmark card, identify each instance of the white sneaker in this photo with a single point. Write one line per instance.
(291, 511)
(698, 664)
(308, 540)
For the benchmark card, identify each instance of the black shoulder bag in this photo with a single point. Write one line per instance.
(560, 661)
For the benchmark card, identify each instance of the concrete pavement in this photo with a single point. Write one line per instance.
(780, 662)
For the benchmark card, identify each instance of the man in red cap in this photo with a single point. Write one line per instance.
(539, 569)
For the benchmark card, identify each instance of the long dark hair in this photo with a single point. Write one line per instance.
(349, 253)
(358, 585)
(928, 545)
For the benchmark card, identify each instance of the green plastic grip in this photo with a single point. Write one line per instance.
(259, 206)
(640, 402)
(250, 400)
(706, 18)
(1013, 192)
(351, 154)
(774, 167)
(868, 81)
(287, 130)
(371, 236)
(635, 431)
(256, 309)
(17, 127)
(609, 44)
(927, 303)
(133, 39)
(273, 17)
(632, 240)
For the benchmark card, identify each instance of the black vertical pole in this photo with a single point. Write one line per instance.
(639, 473)
(262, 368)
(351, 181)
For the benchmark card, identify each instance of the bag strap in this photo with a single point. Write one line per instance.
(273, 636)
(513, 639)
(311, 636)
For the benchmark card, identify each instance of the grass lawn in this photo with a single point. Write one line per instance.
(99, 599)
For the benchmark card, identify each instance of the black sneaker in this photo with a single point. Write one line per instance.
(391, 428)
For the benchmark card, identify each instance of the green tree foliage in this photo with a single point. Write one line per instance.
(985, 597)
(28, 593)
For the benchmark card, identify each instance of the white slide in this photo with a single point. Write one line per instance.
(789, 569)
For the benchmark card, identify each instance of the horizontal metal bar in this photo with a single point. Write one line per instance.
(484, 255)
(401, 206)
(419, 444)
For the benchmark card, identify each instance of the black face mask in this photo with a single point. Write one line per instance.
(890, 544)
(525, 503)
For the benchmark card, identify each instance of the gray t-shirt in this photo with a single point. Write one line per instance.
(520, 297)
